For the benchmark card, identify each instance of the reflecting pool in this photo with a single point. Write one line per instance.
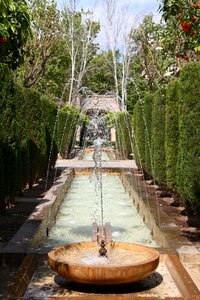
(81, 207)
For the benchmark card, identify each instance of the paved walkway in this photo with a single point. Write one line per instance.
(106, 164)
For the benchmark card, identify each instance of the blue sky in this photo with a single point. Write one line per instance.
(135, 6)
(136, 11)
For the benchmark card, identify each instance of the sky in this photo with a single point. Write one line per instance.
(136, 10)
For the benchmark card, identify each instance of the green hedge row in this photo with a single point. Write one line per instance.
(121, 121)
(158, 136)
(27, 123)
(139, 133)
(188, 167)
(172, 133)
(170, 119)
(148, 102)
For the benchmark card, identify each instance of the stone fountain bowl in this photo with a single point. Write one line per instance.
(81, 263)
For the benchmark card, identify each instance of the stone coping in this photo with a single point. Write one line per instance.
(36, 227)
(168, 235)
(34, 278)
(165, 233)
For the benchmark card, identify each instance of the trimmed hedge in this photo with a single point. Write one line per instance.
(171, 133)
(49, 112)
(35, 136)
(172, 118)
(67, 122)
(158, 136)
(142, 117)
(148, 102)
(27, 122)
(121, 121)
(188, 167)
(139, 133)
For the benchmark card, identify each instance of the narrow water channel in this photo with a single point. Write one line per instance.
(81, 207)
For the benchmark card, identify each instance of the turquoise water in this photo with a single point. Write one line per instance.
(81, 207)
(88, 155)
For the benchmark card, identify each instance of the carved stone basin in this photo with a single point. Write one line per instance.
(125, 262)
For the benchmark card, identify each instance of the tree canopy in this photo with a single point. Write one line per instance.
(14, 31)
(185, 17)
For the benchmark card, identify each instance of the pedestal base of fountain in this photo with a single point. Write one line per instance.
(125, 263)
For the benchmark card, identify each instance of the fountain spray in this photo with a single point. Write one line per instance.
(97, 157)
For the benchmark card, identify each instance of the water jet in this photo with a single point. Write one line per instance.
(101, 262)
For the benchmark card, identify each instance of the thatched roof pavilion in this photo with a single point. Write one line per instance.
(101, 103)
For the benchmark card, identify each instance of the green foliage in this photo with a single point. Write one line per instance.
(27, 127)
(151, 57)
(14, 31)
(139, 133)
(138, 88)
(185, 16)
(49, 113)
(158, 136)
(2, 181)
(173, 122)
(53, 81)
(100, 78)
(121, 121)
(171, 133)
(9, 134)
(61, 51)
(188, 171)
(36, 141)
(67, 121)
(43, 43)
(148, 102)
(79, 32)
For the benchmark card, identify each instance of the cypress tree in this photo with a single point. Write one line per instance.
(172, 133)
(148, 101)
(158, 136)
(139, 133)
(188, 166)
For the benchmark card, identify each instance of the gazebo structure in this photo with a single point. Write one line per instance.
(102, 103)
(96, 106)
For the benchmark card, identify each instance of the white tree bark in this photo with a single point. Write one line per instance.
(80, 37)
(113, 34)
(71, 10)
(119, 39)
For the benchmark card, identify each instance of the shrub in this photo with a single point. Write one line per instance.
(121, 121)
(35, 135)
(148, 102)
(139, 133)
(49, 114)
(28, 133)
(158, 136)
(8, 137)
(188, 166)
(171, 133)
(67, 122)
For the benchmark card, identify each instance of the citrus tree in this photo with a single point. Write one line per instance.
(14, 31)
(185, 16)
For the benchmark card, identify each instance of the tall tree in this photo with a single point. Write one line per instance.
(119, 41)
(99, 78)
(149, 50)
(113, 32)
(57, 72)
(46, 34)
(72, 58)
(80, 30)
